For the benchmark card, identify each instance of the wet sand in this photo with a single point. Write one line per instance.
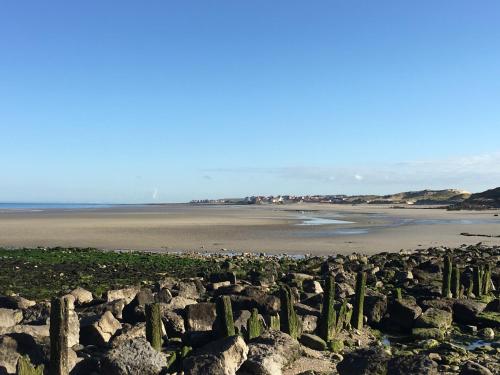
(293, 229)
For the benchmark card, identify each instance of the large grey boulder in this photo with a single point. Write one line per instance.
(472, 368)
(99, 329)
(173, 322)
(403, 314)
(270, 353)
(127, 294)
(375, 307)
(82, 296)
(412, 365)
(200, 316)
(222, 357)
(133, 357)
(434, 318)
(128, 332)
(10, 317)
(368, 361)
(15, 302)
(465, 311)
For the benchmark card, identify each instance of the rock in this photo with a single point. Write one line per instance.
(135, 311)
(15, 302)
(82, 296)
(240, 320)
(309, 323)
(434, 318)
(200, 316)
(403, 314)
(38, 314)
(487, 333)
(128, 332)
(164, 296)
(222, 357)
(218, 285)
(270, 353)
(127, 294)
(375, 307)
(133, 357)
(368, 361)
(489, 319)
(312, 286)
(266, 304)
(412, 365)
(39, 333)
(336, 346)
(428, 333)
(115, 307)
(313, 342)
(472, 368)
(13, 346)
(99, 330)
(190, 289)
(493, 305)
(173, 322)
(302, 309)
(10, 317)
(465, 311)
(179, 303)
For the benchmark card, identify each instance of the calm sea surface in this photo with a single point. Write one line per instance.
(49, 206)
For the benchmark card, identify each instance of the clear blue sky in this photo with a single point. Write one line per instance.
(133, 101)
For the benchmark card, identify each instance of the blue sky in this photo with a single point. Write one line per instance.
(126, 101)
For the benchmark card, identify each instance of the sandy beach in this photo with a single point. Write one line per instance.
(293, 229)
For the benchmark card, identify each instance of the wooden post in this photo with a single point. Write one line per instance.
(359, 300)
(59, 315)
(154, 325)
(225, 317)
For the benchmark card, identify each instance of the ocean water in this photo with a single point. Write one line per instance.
(50, 206)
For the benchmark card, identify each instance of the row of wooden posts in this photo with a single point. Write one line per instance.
(478, 285)
(331, 322)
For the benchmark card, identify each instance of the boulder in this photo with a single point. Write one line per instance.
(403, 315)
(312, 286)
(82, 296)
(99, 330)
(240, 320)
(222, 357)
(128, 332)
(14, 346)
(309, 323)
(164, 295)
(135, 311)
(375, 307)
(465, 311)
(266, 304)
(434, 318)
(38, 314)
(173, 322)
(15, 302)
(428, 333)
(133, 357)
(270, 353)
(10, 317)
(39, 333)
(412, 365)
(179, 303)
(313, 342)
(191, 289)
(472, 368)
(126, 294)
(200, 316)
(367, 361)
(115, 307)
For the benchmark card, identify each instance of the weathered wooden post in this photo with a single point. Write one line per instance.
(359, 300)
(446, 285)
(289, 322)
(59, 315)
(486, 279)
(398, 294)
(477, 275)
(225, 317)
(154, 326)
(254, 325)
(455, 281)
(328, 318)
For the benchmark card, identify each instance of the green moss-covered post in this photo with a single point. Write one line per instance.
(153, 325)
(477, 276)
(254, 325)
(274, 322)
(446, 285)
(359, 300)
(289, 322)
(486, 279)
(59, 315)
(225, 317)
(24, 367)
(342, 317)
(328, 315)
(455, 281)
(397, 294)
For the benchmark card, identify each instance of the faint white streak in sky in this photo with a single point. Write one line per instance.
(155, 194)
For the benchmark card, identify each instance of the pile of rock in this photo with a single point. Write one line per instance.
(384, 314)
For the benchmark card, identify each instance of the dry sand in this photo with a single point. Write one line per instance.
(270, 229)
